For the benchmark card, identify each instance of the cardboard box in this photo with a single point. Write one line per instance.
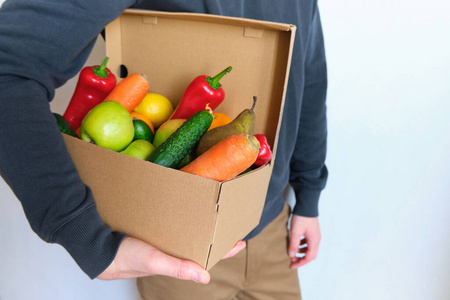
(184, 215)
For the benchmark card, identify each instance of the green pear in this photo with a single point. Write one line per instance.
(166, 130)
(108, 125)
(243, 123)
(140, 149)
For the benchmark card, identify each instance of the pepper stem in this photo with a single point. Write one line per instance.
(101, 70)
(214, 81)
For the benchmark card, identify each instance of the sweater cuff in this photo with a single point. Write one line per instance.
(307, 204)
(89, 241)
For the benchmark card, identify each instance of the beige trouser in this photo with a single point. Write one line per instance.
(260, 272)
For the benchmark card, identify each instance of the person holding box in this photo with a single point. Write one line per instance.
(45, 43)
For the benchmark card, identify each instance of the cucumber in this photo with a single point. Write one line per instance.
(64, 126)
(182, 141)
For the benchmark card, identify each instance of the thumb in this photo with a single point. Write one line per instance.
(236, 249)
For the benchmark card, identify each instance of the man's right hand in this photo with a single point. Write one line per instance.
(136, 258)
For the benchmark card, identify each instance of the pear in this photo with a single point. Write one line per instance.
(166, 130)
(243, 123)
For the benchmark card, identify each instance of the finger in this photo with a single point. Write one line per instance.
(299, 255)
(294, 244)
(236, 249)
(166, 265)
(302, 249)
(310, 254)
(310, 251)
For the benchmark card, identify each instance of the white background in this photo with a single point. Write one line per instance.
(384, 213)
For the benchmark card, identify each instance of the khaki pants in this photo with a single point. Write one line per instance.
(260, 272)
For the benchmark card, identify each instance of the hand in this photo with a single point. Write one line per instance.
(304, 231)
(136, 258)
(236, 249)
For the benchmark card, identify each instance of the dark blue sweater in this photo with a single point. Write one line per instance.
(43, 43)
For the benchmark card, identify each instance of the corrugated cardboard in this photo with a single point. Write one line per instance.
(184, 215)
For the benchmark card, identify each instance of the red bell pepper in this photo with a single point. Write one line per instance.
(201, 91)
(264, 154)
(94, 84)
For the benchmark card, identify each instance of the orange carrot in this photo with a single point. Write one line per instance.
(226, 159)
(130, 91)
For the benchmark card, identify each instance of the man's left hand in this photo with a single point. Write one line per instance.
(305, 238)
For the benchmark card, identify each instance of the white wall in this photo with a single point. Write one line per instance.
(385, 212)
(386, 233)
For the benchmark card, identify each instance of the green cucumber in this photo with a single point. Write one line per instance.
(64, 126)
(182, 141)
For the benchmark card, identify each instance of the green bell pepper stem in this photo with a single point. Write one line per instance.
(214, 81)
(101, 70)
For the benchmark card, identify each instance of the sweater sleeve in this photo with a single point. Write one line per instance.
(308, 173)
(43, 43)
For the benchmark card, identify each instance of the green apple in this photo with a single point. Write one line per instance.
(108, 125)
(165, 130)
(140, 149)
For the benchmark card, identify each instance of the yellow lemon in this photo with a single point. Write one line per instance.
(156, 108)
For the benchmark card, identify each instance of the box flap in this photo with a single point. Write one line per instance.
(174, 48)
(152, 16)
(240, 208)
